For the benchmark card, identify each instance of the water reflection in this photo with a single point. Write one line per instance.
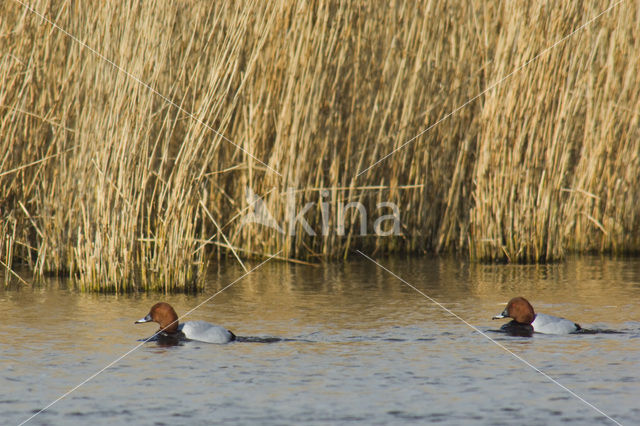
(347, 342)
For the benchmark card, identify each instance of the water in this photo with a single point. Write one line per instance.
(365, 348)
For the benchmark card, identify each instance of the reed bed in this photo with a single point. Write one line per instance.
(135, 178)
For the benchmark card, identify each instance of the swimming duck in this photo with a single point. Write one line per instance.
(526, 320)
(164, 314)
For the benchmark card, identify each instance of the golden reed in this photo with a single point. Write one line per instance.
(103, 179)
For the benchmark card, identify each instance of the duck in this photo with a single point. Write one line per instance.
(526, 321)
(202, 331)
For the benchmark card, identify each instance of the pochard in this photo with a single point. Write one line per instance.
(526, 321)
(164, 314)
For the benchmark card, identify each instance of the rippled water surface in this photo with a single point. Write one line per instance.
(364, 348)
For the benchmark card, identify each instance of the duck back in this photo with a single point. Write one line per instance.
(548, 324)
(206, 332)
